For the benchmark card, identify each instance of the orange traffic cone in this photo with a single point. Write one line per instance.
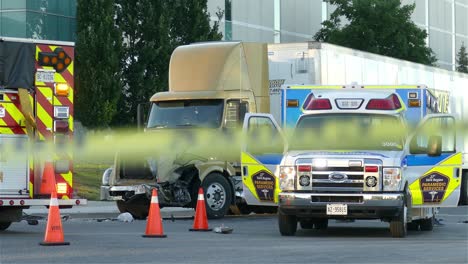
(201, 222)
(154, 226)
(54, 232)
(48, 179)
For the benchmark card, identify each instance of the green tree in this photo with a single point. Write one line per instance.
(152, 29)
(97, 71)
(378, 26)
(462, 59)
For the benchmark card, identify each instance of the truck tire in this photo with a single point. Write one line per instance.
(4, 225)
(412, 226)
(218, 195)
(464, 189)
(287, 224)
(398, 227)
(121, 206)
(427, 224)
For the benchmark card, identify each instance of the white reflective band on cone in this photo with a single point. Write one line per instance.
(200, 197)
(54, 202)
(154, 199)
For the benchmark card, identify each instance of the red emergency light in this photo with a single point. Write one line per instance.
(372, 169)
(390, 103)
(312, 103)
(304, 168)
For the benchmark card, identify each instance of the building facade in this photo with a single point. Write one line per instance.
(274, 21)
(38, 19)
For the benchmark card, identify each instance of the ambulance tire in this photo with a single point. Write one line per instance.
(306, 224)
(4, 225)
(398, 227)
(426, 224)
(321, 224)
(218, 195)
(287, 224)
(464, 189)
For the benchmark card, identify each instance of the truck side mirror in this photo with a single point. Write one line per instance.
(142, 114)
(434, 146)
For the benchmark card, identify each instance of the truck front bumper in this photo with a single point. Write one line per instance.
(114, 193)
(360, 206)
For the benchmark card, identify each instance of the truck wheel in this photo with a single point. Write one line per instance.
(321, 223)
(306, 224)
(464, 189)
(398, 226)
(218, 195)
(427, 224)
(4, 225)
(287, 224)
(413, 226)
(121, 206)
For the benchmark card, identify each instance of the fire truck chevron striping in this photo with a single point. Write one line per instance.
(36, 107)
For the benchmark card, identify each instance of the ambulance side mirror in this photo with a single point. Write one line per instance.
(434, 146)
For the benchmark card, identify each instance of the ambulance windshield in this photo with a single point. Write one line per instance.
(349, 132)
(186, 113)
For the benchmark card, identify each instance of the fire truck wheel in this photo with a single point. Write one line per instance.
(218, 195)
(427, 224)
(287, 224)
(4, 225)
(121, 206)
(398, 226)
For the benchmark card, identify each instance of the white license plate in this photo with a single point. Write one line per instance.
(337, 209)
(45, 76)
(2, 112)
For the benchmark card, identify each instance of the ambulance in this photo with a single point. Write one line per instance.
(362, 152)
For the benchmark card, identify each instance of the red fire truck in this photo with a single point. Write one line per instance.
(36, 110)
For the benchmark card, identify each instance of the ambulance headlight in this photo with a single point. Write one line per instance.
(286, 177)
(391, 179)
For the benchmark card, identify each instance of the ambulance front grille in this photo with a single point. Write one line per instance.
(338, 179)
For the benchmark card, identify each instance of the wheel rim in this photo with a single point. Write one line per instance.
(215, 196)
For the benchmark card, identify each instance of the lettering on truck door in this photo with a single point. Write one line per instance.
(433, 165)
(262, 153)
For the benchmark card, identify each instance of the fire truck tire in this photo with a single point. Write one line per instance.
(4, 225)
(398, 227)
(287, 224)
(218, 195)
(426, 224)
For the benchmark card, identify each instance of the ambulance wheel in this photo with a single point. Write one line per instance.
(426, 224)
(306, 224)
(287, 224)
(218, 195)
(464, 189)
(398, 227)
(4, 225)
(321, 224)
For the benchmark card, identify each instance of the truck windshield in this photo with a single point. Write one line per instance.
(349, 132)
(186, 113)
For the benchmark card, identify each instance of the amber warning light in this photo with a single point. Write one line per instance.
(58, 59)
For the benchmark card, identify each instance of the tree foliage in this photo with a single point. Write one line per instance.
(462, 59)
(378, 26)
(97, 63)
(151, 30)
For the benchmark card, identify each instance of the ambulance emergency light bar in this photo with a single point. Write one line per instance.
(391, 102)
